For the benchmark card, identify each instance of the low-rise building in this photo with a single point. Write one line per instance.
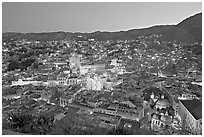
(62, 79)
(92, 68)
(12, 96)
(52, 83)
(64, 101)
(59, 64)
(72, 81)
(46, 96)
(95, 83)
(107, 121)
(187, 96)
(93, 103)
(20, 82)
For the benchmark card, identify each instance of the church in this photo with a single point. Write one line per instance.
(160, 111)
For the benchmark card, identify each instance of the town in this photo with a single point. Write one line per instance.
(83, 86)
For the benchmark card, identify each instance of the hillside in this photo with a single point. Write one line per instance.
(193, 25)
(189, 30)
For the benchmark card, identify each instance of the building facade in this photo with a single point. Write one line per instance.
(190, 112)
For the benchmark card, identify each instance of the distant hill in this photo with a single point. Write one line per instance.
(193, 25)
(189, 30)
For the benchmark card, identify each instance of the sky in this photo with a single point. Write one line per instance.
(89, 16)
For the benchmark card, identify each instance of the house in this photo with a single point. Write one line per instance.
(59, 116)
(104, 98)
(84, 112)
(199, 78)
(12, 96)
(92, 68)
(46, 96)
(52, 83)
(109, 85)
(62, 78)
(20, 82)
(16, 94)
(122, 111)
(72, 81)
(107, 121)
(114, 62)
(81, 81)
(95, 83)
(187, 96)
(107, 109)
(39, 92)
(116, 96)
(129, 104)
(132, 113)
(64, 101)
(93, 103)
(59, 64)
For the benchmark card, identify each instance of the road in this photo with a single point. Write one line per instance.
(79, 91)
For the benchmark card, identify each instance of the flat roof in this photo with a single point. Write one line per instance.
(194, 107)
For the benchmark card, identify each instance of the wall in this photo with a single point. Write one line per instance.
(188, 121)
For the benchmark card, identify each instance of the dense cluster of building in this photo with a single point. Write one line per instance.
(115, 82)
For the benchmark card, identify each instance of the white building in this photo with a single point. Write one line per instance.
(64, 101)
(52, 83)
(114, 62)
(93, 68)
(187, 96)
(74, 61)
(59, 64)
(20, 82)
(95, 83)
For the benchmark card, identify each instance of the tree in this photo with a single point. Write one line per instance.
(13, 65)
(20, 121)
(42, 124)
(27, 123)
(26, 63)
(36, 64)
(119, 131)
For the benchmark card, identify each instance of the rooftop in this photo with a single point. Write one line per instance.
(194, 107)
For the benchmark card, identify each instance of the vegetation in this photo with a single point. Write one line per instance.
(28, 123)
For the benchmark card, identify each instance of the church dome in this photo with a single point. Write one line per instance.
(155, 116)
(162, 103)
(163, 118)
(166, 119)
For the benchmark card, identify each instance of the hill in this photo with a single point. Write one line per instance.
(193, 25)
(189, 30)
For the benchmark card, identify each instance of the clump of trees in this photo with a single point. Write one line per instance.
(14, 64)
(28, 123)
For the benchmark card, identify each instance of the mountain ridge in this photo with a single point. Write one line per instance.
(188, 30)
